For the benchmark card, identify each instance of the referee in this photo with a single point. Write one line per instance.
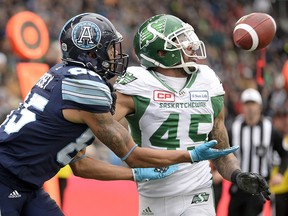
(257, 139)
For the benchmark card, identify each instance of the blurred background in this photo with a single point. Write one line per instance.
(213, 22)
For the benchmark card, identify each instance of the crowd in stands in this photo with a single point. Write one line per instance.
(213, 22)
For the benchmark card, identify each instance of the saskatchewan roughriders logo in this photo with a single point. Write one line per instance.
(127, 78)
(200, 198)
(147, 34)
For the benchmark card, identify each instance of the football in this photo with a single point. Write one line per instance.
(254, 31)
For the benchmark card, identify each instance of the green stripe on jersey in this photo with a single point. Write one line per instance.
(141, 104)
(188, 84)
(217, 104)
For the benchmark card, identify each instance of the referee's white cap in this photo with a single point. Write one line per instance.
(252, 95)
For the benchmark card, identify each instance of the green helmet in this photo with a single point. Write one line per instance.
(171, 35)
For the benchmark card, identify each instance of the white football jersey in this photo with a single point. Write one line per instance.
(168, 119)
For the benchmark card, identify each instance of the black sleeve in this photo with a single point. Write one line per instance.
(277, 139)
(229, 131)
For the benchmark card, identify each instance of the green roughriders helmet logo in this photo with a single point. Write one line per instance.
(147, 35)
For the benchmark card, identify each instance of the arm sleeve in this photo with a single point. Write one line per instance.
(88, 95)
(217, 104)
(279, 143)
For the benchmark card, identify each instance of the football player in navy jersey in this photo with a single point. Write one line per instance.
(70, 106)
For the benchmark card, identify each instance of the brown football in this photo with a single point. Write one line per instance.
(254, 31)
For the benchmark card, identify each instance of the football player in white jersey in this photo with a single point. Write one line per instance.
(70, 106)
(172, 102)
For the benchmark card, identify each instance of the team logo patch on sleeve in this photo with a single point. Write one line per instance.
(127, 78)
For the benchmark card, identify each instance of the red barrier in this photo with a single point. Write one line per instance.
(28, 74)
(91, 197)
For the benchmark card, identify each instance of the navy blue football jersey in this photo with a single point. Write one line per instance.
(36, 140)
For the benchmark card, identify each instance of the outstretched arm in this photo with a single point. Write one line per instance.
(87, 167)
(117, 138)
(228, 166)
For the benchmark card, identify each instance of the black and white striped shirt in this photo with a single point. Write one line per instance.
(257, 144)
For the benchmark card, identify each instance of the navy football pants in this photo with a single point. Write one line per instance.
(32, 203)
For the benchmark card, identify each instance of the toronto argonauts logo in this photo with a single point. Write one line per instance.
(86, 35)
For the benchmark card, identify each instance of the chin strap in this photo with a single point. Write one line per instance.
(189, 67)
(189, 71)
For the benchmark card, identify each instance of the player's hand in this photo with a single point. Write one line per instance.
(205, 151)
(147, 174)
(252, 183)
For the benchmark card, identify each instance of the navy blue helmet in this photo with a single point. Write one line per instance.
(85, 40)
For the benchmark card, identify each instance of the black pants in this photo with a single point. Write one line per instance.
(217, 192)
(242, 203)
(27, 203)
(281, 204)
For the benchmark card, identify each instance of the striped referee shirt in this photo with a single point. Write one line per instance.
(257, 143)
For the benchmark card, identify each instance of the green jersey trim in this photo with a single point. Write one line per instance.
(141, 104)
(191, 80)
(188, 84)
(217, 104)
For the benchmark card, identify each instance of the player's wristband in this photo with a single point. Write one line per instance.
(127, 155)
(234, 176)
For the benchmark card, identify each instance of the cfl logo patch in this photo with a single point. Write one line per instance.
(163, 96)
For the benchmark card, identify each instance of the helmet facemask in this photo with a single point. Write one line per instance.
(113, 61)
(184, 37)
(170, 35)
(180, 40)
(118, 62)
